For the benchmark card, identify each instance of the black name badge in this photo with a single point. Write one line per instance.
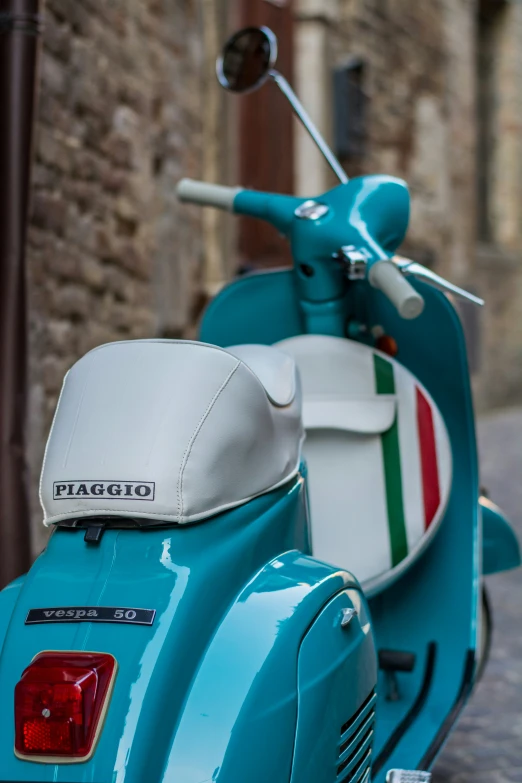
(91, 614)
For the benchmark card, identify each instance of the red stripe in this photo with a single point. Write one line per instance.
(428, 452)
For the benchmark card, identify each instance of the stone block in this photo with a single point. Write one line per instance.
(53, 370)
(118, 282)
(118, 149)
(57, 37)
(52, 150)
(61, 337)
(92, 273)
(71, 300)
(54, 74)
(62, 262)
(49, 212)
(95, 334)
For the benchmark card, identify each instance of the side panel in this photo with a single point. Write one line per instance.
(337, 678)
(239, 720)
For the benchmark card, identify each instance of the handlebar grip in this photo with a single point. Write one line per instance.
(385, 276)
(206, 194)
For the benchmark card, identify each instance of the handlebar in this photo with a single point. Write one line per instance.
(388, 278)
(206, 194)
(314, 238)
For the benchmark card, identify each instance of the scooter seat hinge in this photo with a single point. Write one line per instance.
(94, 533)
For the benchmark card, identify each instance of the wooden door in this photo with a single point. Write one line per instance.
(266, 148)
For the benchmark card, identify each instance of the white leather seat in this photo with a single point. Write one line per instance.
(276, 370)
(171, 431)
(378, 454)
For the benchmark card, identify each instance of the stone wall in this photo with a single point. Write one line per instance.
(418, 61)
(422, 118)
(111, 254)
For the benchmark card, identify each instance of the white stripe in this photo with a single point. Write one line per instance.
(348, 502)
(409, 445)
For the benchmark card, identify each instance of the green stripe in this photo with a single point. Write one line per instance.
(385, 383)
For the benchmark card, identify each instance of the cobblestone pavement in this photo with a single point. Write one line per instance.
(486, 746)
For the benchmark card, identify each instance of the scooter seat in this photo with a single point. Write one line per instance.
(378, 455)
(167, 431)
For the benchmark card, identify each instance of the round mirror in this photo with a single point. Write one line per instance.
(247, 60)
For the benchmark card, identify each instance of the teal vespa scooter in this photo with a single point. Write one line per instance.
(223, 600)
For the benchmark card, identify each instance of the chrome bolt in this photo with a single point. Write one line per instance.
(311, 210)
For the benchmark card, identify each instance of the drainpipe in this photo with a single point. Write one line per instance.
(20, 26)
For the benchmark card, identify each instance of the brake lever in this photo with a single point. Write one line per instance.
(421, 272)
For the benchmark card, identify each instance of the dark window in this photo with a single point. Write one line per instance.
(489, 16)
(350, 102)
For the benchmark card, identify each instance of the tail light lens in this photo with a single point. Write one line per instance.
(60, 703)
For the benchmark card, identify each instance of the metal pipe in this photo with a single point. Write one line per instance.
(20, 26)
(305, 118)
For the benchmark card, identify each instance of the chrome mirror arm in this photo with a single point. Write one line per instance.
(421, 272)
(305, 118)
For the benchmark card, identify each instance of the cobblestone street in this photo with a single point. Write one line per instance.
(487, 744)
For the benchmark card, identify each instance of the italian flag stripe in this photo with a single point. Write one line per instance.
(385, 384)
(428, 453)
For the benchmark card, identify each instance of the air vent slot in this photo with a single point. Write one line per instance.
(355, 745)
(366, 740)
(362, 709)
(361, 772)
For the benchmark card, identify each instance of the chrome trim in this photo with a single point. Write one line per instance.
(303, 115)
(421, 272)
(347, 616)
(354, 260)
(408, 776)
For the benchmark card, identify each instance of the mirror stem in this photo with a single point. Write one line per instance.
(303, 115)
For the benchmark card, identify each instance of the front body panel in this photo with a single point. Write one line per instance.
(436, 600)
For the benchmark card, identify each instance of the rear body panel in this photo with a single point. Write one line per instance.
(216, 668)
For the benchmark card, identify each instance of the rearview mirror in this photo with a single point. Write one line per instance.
(248, 57)
(248, 60)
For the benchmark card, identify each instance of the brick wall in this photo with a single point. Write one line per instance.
(111, 255)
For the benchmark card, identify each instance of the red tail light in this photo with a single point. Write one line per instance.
(60, 703)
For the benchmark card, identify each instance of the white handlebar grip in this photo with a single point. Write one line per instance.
(385, 276)
(206, 194)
